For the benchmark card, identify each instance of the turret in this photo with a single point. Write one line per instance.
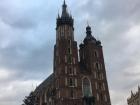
(66, 18)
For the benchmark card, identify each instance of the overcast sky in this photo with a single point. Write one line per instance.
(27, 37)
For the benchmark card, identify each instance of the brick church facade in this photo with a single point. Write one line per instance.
(76, 79)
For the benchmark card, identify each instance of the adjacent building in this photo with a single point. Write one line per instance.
(135, 98)
(78, 78)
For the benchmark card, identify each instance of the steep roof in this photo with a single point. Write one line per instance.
(47, 82)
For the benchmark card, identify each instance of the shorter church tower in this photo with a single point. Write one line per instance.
(92, 66)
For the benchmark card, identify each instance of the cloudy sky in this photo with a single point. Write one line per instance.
(27, 37)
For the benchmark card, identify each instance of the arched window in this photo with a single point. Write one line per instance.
(86, 88)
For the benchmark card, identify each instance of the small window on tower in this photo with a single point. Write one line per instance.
(96, 54)
(75, 71)
(69, 41)
(71, 93)
(70, 71)
(97, 97)
(74, 60)
(71, 82)
(69, 51)
(65, 59)
(65, 69)
(69, 59)
(97, 66)
(105, 98)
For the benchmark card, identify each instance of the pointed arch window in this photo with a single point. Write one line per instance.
(86, 87)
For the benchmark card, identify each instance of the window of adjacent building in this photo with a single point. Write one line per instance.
(86, 88)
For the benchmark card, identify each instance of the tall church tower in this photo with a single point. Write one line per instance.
(65, 59)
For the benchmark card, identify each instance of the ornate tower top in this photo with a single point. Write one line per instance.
(64, 10)
(89, 37)
(66, 18)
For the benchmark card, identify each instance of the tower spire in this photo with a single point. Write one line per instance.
(65, 17)
(64, 2)
(64, 10)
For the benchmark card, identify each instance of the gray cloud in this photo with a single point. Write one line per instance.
(27, 37)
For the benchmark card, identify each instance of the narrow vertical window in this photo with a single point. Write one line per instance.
(96, 54)
(71, 82)
(96, 85)
(65, 59)
(69, 51)
(71, 93)
(104, 86)
(66, 81)
(74, 60)
(75, 71)
(97, 66)
(75, 82)
(70, 71)
(69, 59)
(97, 97)
(86, 88)
(95, 75)
(69, 41)
(65, 69)
(105, 98)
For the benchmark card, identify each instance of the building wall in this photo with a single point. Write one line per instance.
(135, 98)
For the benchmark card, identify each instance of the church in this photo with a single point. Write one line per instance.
(79, 75)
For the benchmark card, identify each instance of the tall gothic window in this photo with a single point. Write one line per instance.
(86, 88)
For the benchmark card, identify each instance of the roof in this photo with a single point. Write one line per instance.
(48, 81)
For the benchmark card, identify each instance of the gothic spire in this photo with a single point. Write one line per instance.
(64, 10)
